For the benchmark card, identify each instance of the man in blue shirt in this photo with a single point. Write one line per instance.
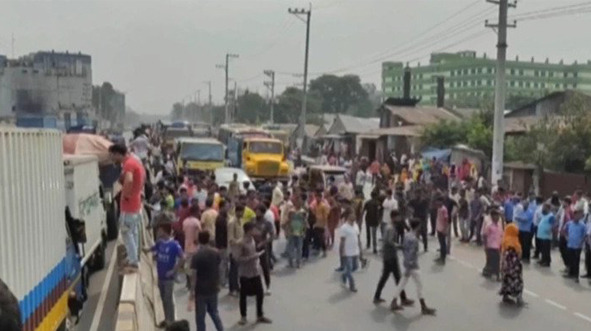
(524, 220)
(508, 206)
(544, 235)
(575, 236)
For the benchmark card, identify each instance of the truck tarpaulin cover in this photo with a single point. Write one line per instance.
(87, 144)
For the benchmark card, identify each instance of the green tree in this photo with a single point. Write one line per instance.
(177, 112)
(341, 94)
(252, 109)
(289, 106)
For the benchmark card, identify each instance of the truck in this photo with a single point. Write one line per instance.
(264, 158)
(53, 227)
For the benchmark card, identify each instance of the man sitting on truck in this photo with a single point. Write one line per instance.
(132, 182)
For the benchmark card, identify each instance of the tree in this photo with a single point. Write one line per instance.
(252, 109)
(289, 106)
(178, 111)
(341, 94)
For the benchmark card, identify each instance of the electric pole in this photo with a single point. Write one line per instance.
(226, 69)
(271, 86)
(235, 110)
(500, 90)
(209, 101)
(308, 16)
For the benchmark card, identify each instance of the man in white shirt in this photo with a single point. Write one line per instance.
(389, 204)
(349, 249)
(140, 146)
(346, 190)
(277, 197)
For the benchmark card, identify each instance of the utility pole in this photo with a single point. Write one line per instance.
(235, 110)
(271, 86)
(209, 101)
(308, 16)
(226, 70)
(12, 44)
(500, 89)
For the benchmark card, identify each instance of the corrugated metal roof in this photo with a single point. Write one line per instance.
(422, 115)
(311, 129)
(353, 124)
(520, 124)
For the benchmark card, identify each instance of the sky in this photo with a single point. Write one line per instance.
(161, 52)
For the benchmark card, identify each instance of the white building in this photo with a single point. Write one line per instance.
(46, 83)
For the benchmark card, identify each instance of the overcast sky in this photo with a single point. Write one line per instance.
(159, 52)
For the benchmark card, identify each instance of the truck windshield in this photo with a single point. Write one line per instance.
(177, 133)
(265, 147)
(202, 152)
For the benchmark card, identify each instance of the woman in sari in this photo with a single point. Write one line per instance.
(511, 267)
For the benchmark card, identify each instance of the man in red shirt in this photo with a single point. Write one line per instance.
(132, 180)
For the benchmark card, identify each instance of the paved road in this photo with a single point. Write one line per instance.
(100, 310)
(312, 299)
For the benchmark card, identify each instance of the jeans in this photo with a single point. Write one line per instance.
(166, 288)
(350, 265)
(319, 242)
(129, 224)
(424, 232)
(442, 237)
(525, 241)
(372, 236)
(465, 228)
(233, 275)
(390, 267)
(224, 266)
(574, 260)
(537, 243)
(294, 250)
(207, 304)
(266, 268)
(416, 276)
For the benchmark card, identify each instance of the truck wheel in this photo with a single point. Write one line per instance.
(112, 222)
(99, 258)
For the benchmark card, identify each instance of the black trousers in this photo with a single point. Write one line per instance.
(319, 242)
(233, 275)
(266, 268)
(545, 248)
(563, 250)
(308, 238)
(433, 220)
(588, 258)
(250, 287)
(442, 237)
(574, 260)
(525, 241)
(424, 232)
(372, 236)
(390, 267)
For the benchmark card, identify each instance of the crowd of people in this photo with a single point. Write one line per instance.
(224, 236)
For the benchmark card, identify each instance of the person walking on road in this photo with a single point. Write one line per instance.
(264, 237)
(297, 223)
(221, 241)
(390, 260)
(169, 259)
(132, 180)
(492, 237)
(442, 226)
(372, 209)
(235, 235)
(511, 267)
(410, 249)
(524, 221)
(544, 235)
(420, 210)
(249, 270)
(205, 279)
(349, 249)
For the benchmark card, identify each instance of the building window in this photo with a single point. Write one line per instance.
(512, 83)
(420, 76)
(575, 74)
(557, 86)
(543, 74)
(489, 83)
(472, 71)
(479, 70)
(479, 82)
(520, 72)
(528, 85)
(574, 85)
(535, 85)
(551, 74)
(543, 85)
(520, 84)
(536, 73)
(490, 70)
(512, 71)
(565, 74)
(452, 73)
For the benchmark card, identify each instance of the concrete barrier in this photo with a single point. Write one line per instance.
(140, 305)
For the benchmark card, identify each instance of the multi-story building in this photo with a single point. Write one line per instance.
(46, 83)
(468, 76)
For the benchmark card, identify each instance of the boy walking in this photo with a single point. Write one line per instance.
(349, 249)
(411, 268)
(169, 258)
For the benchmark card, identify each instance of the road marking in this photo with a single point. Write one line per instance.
(530, 293)
(555, 304)
(585, 317)
(101, 303)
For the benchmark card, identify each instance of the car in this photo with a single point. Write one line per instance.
(224, 176)
(319, 176)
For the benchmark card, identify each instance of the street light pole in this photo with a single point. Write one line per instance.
(308, 16)
(271, 86)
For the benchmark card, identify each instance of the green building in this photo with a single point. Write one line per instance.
(469, 77)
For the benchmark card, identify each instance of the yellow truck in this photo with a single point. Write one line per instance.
(195, 155)
(264, 158)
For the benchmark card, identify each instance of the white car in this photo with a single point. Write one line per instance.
(224, 176)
